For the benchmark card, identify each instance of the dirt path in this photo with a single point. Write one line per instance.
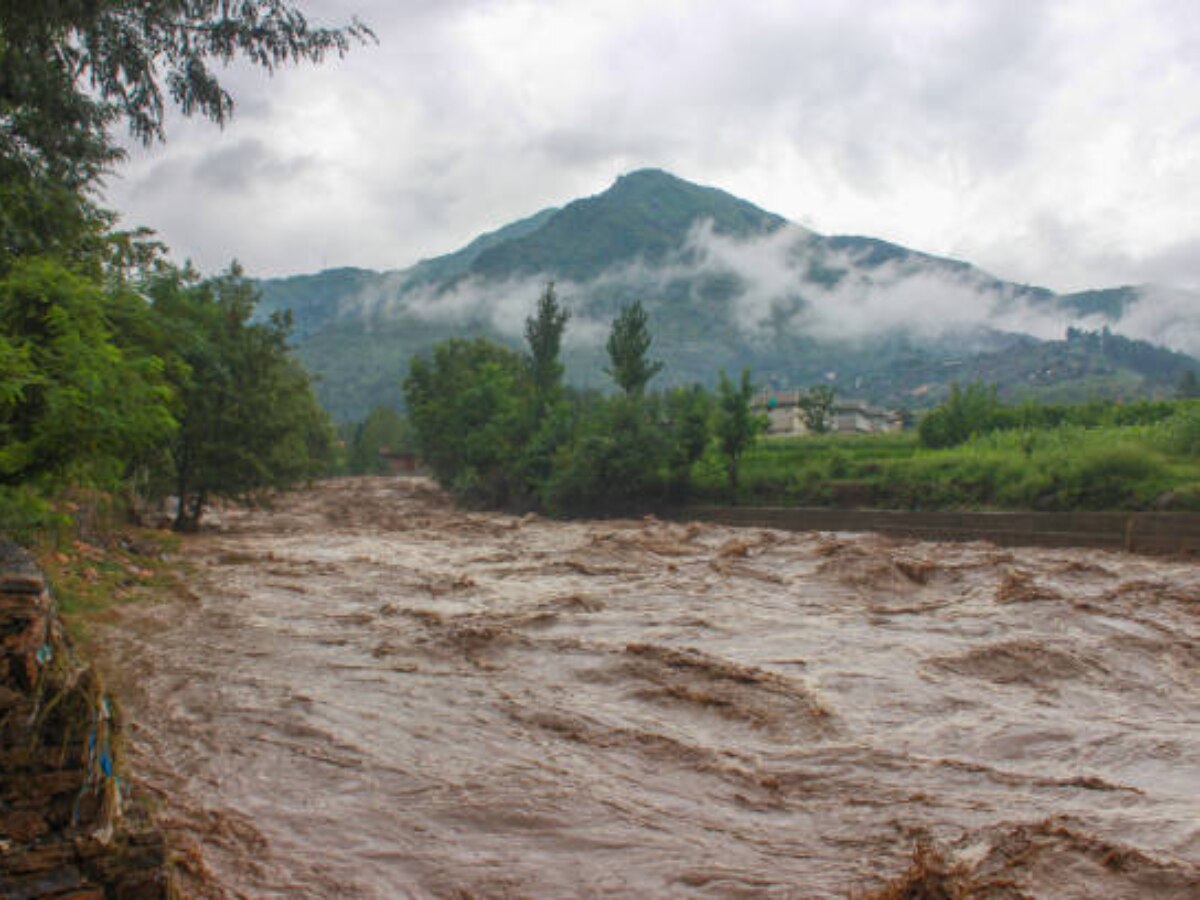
(376, 695)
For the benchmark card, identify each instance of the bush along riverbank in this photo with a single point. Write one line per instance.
(1054, 468)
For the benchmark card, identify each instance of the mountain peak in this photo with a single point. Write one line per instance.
(646, 214)
(649, 176)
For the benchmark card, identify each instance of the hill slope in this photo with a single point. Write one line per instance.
(730, 285)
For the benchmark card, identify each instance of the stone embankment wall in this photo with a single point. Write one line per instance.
(1139, 532)
(66, 827)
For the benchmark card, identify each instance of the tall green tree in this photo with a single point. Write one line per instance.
(74, 403)
(737, 426)
(248, 418)
(468, 403)
(689, 412)
(966, 412)
(543, 333)
(628, 344)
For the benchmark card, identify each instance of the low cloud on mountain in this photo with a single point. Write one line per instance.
(783, 281)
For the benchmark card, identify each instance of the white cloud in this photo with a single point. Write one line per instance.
(782, 284)
(1051, 142)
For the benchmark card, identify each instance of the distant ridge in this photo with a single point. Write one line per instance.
(729, 285)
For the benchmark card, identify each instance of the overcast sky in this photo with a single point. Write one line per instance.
(1056, 143)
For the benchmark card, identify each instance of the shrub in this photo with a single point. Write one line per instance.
(1183, 431)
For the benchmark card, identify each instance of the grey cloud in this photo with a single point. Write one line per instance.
(945, 126)
(247, 164)
(1176, 264)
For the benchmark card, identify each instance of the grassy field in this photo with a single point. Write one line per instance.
(95, 561)
(1062, 468)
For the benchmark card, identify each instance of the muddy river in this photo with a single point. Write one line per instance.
(373, 694)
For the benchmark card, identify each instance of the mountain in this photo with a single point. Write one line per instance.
(729, 285)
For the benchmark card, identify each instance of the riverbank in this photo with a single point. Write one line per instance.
(1149, 533)
(1131, 468)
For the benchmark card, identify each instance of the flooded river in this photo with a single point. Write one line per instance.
(373, 694)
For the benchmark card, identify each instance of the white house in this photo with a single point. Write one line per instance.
(785, 416)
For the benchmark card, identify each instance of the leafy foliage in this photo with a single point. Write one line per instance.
(689, 412)
(543, 333)
(70, 69)
(248, 417)
(816, 405)
(627, 346)
(964, 413)
(73, 402)
(615, 463)
(468, 404)
(977, 410)
(384, 430)
(1066, 466)
(497, 428)
(117, 370)
(736, 426)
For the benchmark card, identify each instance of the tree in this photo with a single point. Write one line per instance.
(816, 405)
(736, 427)
(965, 412)
(627, 345)
(543, 333)
(468, 405)
(72, 69)
(689, 411)
(615, 462)
(383, 429)
(73, 402)
(248, 417)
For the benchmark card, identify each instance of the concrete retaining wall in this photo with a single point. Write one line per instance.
(1139, 532)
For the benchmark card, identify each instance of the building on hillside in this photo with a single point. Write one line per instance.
(786, 417)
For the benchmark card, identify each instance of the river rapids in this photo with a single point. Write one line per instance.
(370, 693)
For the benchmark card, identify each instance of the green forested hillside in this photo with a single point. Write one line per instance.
(727, 285)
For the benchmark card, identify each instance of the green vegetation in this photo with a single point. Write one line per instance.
(382, 431)
(543, 333)
(736, 428)
(627, 346)
(166, 389)
(816, 405)
(498, 429)
(1107, 460)
(248, 420)
(977, 410)
(120, 373)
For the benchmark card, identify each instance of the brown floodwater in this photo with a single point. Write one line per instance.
(374, 694)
